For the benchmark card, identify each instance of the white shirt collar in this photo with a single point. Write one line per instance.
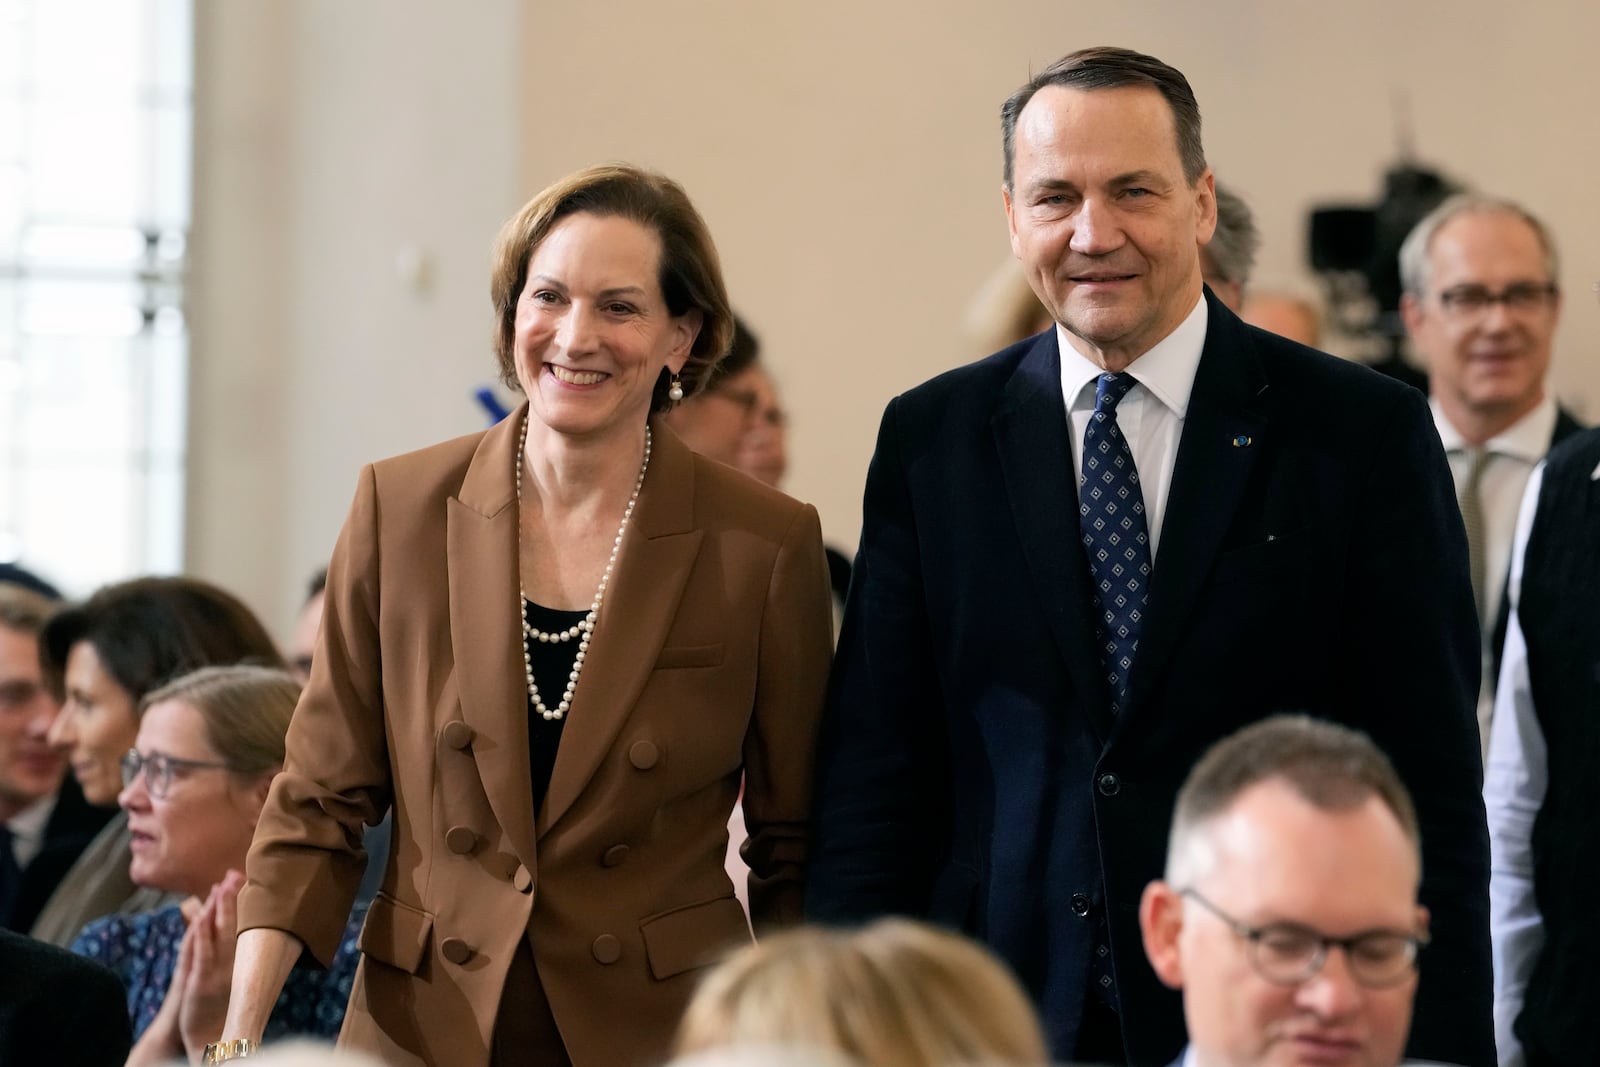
(1527, 439)
(27, 828)
(1167, 369)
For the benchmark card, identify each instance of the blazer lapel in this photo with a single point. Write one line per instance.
(658, 552)
(1033, 437)
(486, 631)
(1224, 430)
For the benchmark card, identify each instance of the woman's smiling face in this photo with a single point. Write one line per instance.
(97, 724)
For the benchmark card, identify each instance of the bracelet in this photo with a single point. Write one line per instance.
(223, 1051)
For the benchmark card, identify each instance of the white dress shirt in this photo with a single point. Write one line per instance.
(1512, 456)
(1516, 776)
(1150, 416)
(27, 829)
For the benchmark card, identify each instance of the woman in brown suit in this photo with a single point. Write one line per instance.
(562, 765)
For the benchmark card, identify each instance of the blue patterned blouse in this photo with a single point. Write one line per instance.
(143, 951)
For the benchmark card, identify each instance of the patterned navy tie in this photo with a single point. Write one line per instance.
(1115, 536)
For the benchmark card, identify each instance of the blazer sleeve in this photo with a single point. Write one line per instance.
(1412, 668)
(796, 645)
(306, 860)
(882, 756)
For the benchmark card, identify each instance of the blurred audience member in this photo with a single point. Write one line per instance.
(58, 1009)
(209, 745)
(1481, 304)
(44, 820)
(1284, 314)
(713, 420)
(893, 994)
(1004, 310)
(124, 641)
(1228, 258)
(1539, 784)
(304, 641)
(1288, 913)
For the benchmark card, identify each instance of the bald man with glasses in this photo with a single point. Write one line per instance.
(1288, 912)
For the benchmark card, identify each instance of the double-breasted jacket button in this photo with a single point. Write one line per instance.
(460, 839)
(607, 949)
(1110, 785)
(1080, 905)
(455, 950)
(614, 856)
(644, 755)
(457, 734)
(522, 879)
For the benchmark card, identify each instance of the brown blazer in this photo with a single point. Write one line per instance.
(710, 659)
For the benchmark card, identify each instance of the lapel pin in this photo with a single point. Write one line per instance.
(1242, 441)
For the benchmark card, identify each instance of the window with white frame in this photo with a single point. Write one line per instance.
(96, 114)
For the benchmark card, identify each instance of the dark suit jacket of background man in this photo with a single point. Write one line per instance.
(1312, 557)
(68, 831)
(59, 1009)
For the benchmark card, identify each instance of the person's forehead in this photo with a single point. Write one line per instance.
(1481, 242)
(1126, 119)
(19, 653)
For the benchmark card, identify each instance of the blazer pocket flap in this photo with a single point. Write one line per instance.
(689, 656)
(693, 936)
(395, 933)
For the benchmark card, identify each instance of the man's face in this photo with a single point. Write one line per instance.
(1274, 858)
(1490, 363)
(29, 768)
(1105, 224)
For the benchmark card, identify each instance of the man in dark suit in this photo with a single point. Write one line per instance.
(1289, 839)
(59, 1009)
(1481, 304)
(1028, 670)
(44, 820)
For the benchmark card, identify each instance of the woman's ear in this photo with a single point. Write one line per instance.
(254, 795)
(686, 329)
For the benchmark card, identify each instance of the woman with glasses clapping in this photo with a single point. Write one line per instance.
(208, 747)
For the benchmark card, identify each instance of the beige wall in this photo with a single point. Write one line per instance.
(845, 153)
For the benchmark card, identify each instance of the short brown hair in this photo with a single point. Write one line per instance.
(690, 274)
(1089, 69)
(22, 610)
(246, 711)
(893, 994)
(1331, 767)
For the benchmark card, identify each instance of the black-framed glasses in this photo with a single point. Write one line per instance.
(1288, 953)
(750, 401)
(1468, 301)
(158, 768)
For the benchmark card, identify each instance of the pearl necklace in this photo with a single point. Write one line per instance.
(584, 628)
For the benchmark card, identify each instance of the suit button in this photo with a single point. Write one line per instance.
(614, 856)
(455, 950)
(457, 734)
(522, 879)
(607, 949)
(644, 755)
(460, 840)
(1080, 905)
(1110, 785)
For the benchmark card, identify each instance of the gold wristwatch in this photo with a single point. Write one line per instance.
(223, 1051)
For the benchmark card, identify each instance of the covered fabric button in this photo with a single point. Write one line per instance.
(457, 734)
(607, 949)
(614, 856)
(460, 840)
(522, 879)
(643, 755)
(455, 950)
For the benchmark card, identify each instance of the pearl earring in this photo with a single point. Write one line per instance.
(675, 391)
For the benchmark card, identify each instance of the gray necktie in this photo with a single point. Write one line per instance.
(1472, 518)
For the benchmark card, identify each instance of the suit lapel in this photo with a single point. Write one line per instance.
(1224, 430)
(658, 552)
(1033, 438)
(485, 630)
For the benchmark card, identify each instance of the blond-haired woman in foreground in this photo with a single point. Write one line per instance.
(892, 994)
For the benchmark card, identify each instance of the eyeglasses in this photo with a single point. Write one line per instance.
(158, 768)
(1471, 301)
(1288, 954)
(750, 401)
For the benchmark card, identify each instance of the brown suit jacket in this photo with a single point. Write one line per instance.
(710, 659)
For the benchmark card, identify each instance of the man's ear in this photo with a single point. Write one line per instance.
(1411, 314)
(1160, 921)
(1011, 218)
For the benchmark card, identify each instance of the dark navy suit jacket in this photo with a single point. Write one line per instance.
(1312, 558)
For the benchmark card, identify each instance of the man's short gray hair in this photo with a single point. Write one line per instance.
(1233, 246)
(1414, 266)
